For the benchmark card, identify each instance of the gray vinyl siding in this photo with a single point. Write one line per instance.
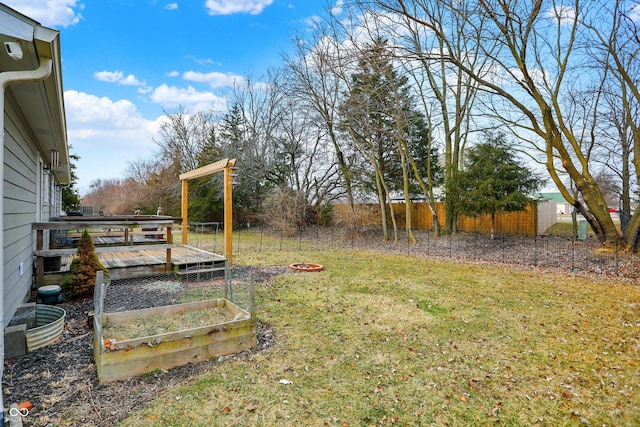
(19, 209)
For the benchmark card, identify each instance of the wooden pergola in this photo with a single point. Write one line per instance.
(227, 166)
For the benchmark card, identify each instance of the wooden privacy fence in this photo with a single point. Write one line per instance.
(523, 223)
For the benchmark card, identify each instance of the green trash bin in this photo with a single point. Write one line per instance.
(582, 230)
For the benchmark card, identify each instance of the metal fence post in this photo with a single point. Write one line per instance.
(261, 231)
(281, 237)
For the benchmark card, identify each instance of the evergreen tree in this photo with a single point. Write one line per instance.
(240, 142)
(494, 181)
(206, 202)
(368, 115)
(424, 154)
(81, 281)
(70, 196)
(388, 131)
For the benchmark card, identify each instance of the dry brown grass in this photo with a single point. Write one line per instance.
(179, 321)
(381, 339)
(361, 217)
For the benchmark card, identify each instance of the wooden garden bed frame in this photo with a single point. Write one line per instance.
(124, 359)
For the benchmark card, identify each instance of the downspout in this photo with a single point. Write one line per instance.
(8, 78)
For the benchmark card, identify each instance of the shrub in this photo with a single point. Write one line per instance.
(359, 219)
(83, 270)
(285, 209)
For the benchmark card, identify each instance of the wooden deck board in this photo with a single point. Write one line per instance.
(180, 255)
(119, 240)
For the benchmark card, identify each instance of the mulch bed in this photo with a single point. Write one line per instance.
(61, 381)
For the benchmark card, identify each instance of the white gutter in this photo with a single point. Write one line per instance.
(8, 78)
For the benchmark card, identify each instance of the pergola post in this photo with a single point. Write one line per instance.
(185, 211)
(227, 166)
(228, 211)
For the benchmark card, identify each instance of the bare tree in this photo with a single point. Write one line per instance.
(113, 196)
(317, 85)
(614, 47)
(249, 131)
(305, 161)
(533, 52)
(183, 137)
(157, 185)
(447, 93)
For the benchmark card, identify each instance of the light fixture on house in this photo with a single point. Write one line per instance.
(55, 159)
(13, 50)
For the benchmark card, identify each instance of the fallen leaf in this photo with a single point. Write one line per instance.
(25, 405)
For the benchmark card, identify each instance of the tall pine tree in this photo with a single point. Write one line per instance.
(388, 131)
(493, 181)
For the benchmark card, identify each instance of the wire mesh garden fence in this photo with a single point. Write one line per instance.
(563, 253)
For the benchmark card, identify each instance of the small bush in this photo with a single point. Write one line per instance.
(83, 270)
(358, 219)
(285, 209)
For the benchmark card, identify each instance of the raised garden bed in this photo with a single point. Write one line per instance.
(129, 343)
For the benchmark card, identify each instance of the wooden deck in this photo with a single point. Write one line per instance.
(129, 246)
(144, 260)
(182, 256)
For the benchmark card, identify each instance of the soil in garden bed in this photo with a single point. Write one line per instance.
(169, 322)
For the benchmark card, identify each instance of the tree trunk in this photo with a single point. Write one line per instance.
(631, 236)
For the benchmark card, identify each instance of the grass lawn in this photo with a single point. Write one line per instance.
(381, 339)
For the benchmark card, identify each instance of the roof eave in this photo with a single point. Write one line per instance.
(42, 102)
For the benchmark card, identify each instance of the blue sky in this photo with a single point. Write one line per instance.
(124, 62)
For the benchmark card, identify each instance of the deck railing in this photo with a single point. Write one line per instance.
(57, 237)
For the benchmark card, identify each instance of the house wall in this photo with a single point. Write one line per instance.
(21, 177)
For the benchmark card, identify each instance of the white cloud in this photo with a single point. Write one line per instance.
(565, 14)
(634, 13)
(173, 74)
(117, 77)
(385, 25)
(81, 107)
(313, 21)
(214, 79)
(171, 6)
(52, 13)
(106, 135)
(202, 61)
(228, 7)
(337, 8)
(171, 96)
